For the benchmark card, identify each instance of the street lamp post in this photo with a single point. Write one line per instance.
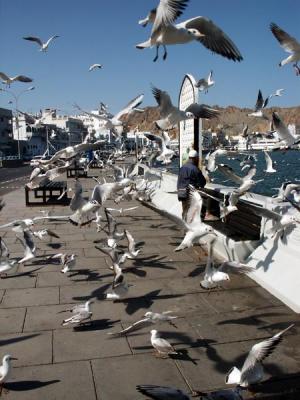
(16, 98)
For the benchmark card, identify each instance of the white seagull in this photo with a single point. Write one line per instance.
(280, 221)
(115, 122)
(132, 252)
(205, 83)
(213, 277)
(164, 32)
(269, 163)
(171, 115)
(43, 46)
(20, 78)
(278, 93)
(78, 318)
(162, 346)
(261, 103)
(286, 137)
(252, 371)
(95, 66)
(150, 318)
(289, 44)
(246, 182)
(5, 370)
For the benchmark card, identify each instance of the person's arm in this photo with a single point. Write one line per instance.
(198, 178)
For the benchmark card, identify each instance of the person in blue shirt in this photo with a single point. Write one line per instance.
(190, 174)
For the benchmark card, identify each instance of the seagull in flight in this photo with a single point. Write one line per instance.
(278, 92)
(261, 103)
(205, 83)
(286, 137)
(95, 66)
(202, 29)
(43, 46)
(252, 371)
(269, 163)
(289, 44)
(115, 122)
(172, 115)
(20, 78)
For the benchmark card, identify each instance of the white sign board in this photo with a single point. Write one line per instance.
(187, 96)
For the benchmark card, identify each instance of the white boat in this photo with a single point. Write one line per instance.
(260, 144)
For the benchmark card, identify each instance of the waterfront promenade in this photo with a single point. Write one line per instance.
(214, 330)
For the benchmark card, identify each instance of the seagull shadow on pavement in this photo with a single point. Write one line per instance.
(22, 386)
(95, 325)
(6, 342)
(197, 271)
(133, 304)
(250, 320)
(99, 294)
(89, 275)
(54, 245)
(152, 261)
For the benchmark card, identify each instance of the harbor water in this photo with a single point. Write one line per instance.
(286, 163)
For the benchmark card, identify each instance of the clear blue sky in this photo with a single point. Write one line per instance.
(98, 31)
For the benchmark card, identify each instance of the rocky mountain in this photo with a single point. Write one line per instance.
(231, 119)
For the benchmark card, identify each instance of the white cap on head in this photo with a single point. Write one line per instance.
(193, 154)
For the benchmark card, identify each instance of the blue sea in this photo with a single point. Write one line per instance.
(287, 164)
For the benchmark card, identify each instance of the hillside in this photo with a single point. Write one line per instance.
(231, 118)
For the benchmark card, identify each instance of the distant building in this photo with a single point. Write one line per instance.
(6, 132)
(73, 126)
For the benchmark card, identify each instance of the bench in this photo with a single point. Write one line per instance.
(239, 225)
(52, 193)
(76, 172)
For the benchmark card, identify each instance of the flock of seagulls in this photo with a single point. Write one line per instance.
(128, 184)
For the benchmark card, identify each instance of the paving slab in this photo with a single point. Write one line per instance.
(52, 382)
(12, 320)
(29, 348)
(144, 369)
(30, 297)
(18, 280)
(87, 343)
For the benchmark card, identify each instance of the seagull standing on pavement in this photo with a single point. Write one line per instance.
(5, 370)
(202, 29)
(43, 46)
(162, 346)
(289, 44)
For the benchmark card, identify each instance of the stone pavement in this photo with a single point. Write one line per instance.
(214, 332)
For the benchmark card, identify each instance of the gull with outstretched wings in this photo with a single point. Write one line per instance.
(205, 83)
(43, 46)
(289, 44)
(171, 115)
(252, 370)
(165, 32)
(20, 78)
(261, 103)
